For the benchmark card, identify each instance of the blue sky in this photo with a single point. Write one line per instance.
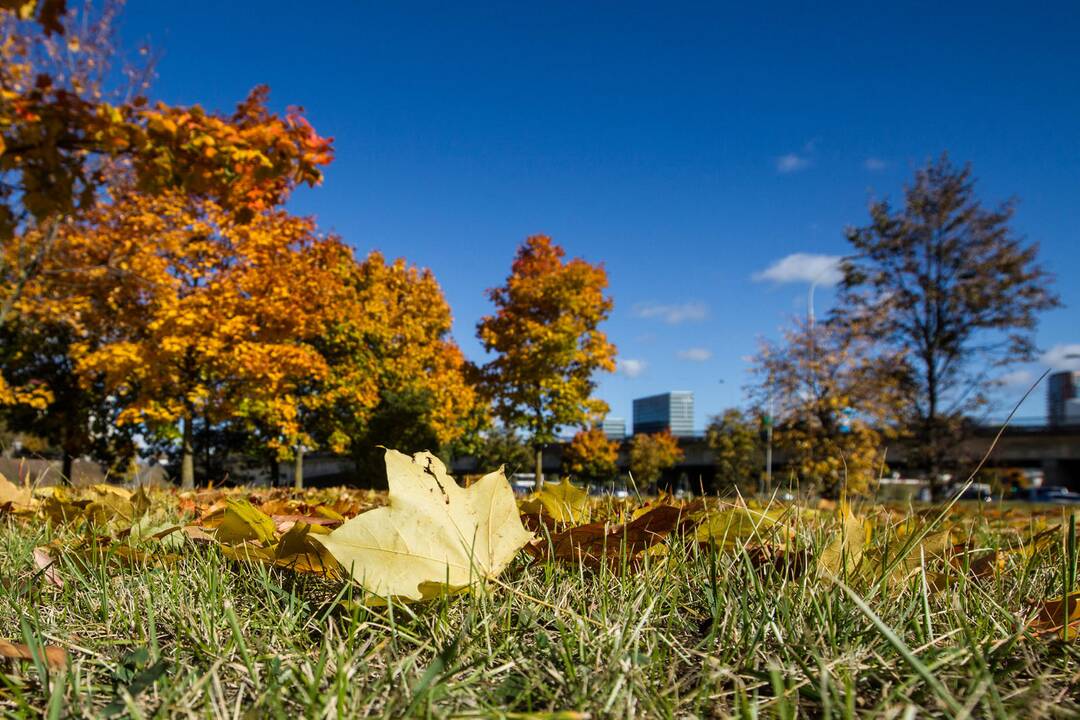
(689, 147)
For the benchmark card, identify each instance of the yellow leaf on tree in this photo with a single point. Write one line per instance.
(434, 536)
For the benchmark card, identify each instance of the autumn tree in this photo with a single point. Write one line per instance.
(395, 377)
(948, 285)
(834, 401)
(61, 129)
(181, 311)
(736, 444)
(547, 343)
(591, 455)
(500, 446)
(652, 454)
(66, 136)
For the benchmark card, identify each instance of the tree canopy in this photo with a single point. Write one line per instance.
(948, 286)
(547, 342)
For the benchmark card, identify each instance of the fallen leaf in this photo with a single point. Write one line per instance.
(56, 657)
(1058, 614)
(846, 550)
(19, 498)
(45, 563)
(243, 522)
(729, 526)
(434, 536)
(565, 502)
(597, 544)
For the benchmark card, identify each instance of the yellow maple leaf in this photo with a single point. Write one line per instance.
(564, 502)
(20, 498)
(846, 549)
(434, 536)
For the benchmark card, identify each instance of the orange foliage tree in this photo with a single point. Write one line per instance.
(652, 454)
(545, 333)
(184, 312)
(64, 139)
(59, 136)
(591, 456)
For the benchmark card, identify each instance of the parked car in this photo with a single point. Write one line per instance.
(523, 483)
(1052, 494)
(975, 491)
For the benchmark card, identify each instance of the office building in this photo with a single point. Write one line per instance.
(672, 411)
(614, 428)
(1063, 398)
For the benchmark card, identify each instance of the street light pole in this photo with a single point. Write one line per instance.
(768, 444)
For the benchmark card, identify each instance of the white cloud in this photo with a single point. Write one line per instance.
(1063, 357)
(804, 268)
(792, 162)
(796, 161)
(695, 354)
(672, 314)
(875, 164)
(1016, 378)
(632, 368)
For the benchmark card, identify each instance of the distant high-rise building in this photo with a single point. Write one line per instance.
(1063, 398)
(614, 428)
(672, 411)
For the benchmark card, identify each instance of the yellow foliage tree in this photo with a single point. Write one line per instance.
(835, 402)
(652, 454)
(591, 456)
(545, 333)
(394, 375)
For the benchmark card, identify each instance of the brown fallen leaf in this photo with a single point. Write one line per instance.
(790, 561)
(284, 523)
(597, 544)
(1057, 614)
(537, 522)
(982, 563)
(56, 657)
(196, 533)
(45, 562)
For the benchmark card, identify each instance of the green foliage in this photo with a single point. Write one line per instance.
(735, 440)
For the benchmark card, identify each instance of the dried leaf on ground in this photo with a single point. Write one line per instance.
(728, 526)
(564, 503)
(243, 522)
(47, 565)
(844, 553)
(1056, 615)
(434, 536)
(56, 657)
(17, 498)
(597, 544)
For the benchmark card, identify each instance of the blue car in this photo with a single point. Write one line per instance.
(1053, 495)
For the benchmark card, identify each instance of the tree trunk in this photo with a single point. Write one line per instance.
(187, 456)
(275, 472)
(65, 467)
(298, 469)
(539, 467)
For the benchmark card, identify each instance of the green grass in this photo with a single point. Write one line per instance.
(692, 633)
